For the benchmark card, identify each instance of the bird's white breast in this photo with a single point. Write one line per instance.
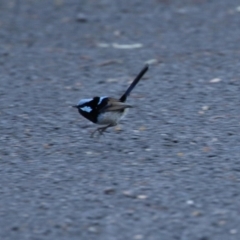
(112, 117)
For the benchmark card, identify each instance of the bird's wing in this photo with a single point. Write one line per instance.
(114, 105)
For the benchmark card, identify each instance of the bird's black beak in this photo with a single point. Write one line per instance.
(75, 106)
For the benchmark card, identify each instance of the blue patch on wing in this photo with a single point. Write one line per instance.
(86, 109)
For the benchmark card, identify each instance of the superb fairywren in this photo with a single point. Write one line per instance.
(106, 110)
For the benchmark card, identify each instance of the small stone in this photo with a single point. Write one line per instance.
(130, 212)
(131, 153)
(205, 108)
(148, 149)
(109, 62)
(92, 229)
(109, 191)
(238, 8)
(127, 46)
(15, 228)
(81, 17)
(190, 202)
(117, 33)
(215, 80)
(136, 131)
(68, 87)
(151, 61)
(142, 128)
(118, 128)
(128, 193)
(43, 205)
(222, 222)
(196, 213)
(112, 80)
(180, 154)
(46, 145)
(233, 231)
(142, 196)
(89, 153)
(206, 149)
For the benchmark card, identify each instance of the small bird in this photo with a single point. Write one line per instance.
(107, 110)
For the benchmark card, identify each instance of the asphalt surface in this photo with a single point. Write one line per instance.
(170, 170)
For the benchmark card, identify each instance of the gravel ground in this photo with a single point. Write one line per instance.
(170, 170)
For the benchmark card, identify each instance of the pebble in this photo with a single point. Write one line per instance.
(127, 46)
(142, 196)
(151, 61)
(128, 193)
(238, 9)
(148, 149)
(222, 222)
(196, 213)
(215, 80)
(190, 202)
(109, 190)
(205, 108)
(92, 229)
(233, 231)
(81, 17)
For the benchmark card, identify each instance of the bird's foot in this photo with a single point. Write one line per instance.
(100, 131)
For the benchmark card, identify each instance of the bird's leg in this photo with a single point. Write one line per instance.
(101, 130)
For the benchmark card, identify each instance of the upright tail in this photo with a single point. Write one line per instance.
(133, 84)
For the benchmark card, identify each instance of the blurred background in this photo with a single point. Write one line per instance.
(170, 170)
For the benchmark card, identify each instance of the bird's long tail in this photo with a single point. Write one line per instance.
(133, 84)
